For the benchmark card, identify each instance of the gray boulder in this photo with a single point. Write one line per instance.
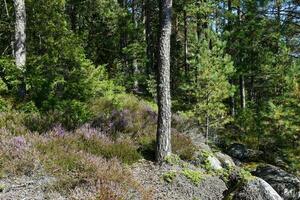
(255, 189)
(215, 164)
(287, 185)
(242, 153)
(226, 160)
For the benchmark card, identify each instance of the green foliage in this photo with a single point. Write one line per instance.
(209, 85)
(194, 176)
(169, 176)
(173, 159)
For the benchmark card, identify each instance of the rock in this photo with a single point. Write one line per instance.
(287, 185)
(226, 160)
(215, 163)
(255, 189)
(242, 153)
(238, 151)
(206, 159)
(150, 176)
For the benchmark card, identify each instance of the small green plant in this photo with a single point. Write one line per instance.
(194, 176)
(173, 159)
(2, 187)
(246, 175)
(169, 176)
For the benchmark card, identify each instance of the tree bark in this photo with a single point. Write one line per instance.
(149, 37)
(185, 42)
(242, 92)
(163, 92)
(20, 35)
(134, 61)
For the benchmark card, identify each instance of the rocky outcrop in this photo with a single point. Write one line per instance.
(242, 153)
(226, 160)
(215, 164)
(180, 187)
(255, 189)
(287, 185)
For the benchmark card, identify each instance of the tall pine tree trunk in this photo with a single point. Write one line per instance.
(20, 35)
(20, 43)
(163, 92)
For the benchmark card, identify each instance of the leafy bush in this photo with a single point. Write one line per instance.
(124, 113)
(13, 122)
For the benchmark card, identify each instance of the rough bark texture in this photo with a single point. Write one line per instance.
(164, 97)
(20, 35)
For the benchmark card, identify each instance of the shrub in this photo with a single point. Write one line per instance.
(75, 160)
(16, 156)
(169, 176)
(124, 113)
(124, 150)
(194, 176)
(183, 146)
(13, 122)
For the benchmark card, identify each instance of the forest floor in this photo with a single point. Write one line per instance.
(104, 160)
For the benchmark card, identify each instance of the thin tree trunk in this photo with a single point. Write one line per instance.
(6, 9)
(134, 61)
(185, 42)
(149, 37)
(207, 128)
(232, 100)
(20, 35)
(163, 92)
(198, 28)
(242, 92)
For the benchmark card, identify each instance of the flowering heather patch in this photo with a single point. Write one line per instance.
(57, 131)
(19, 142)
(89, 132)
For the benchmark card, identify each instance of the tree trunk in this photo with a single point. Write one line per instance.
(149, 37)
(20, 35)
(134, 61)
(20, 44)
(185, 42)
(163, 92)
(242, 92)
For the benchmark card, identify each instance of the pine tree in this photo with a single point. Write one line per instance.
(163, 92)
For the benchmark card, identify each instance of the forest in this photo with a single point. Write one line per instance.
(150, 99)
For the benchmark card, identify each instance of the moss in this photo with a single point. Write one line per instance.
(245, 175)
(172, 159)
(169, 176)
(194, 176)
(2, 187)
